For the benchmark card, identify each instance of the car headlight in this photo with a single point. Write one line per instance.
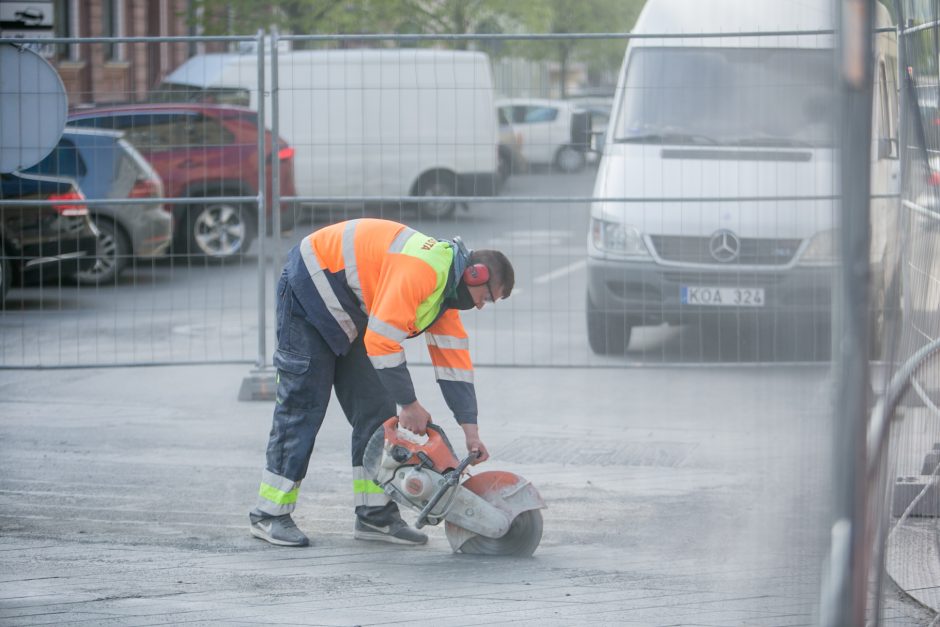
(614, 237)
(822, 248)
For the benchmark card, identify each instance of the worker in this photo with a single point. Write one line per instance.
(349, 294)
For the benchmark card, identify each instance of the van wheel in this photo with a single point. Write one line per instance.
(608, 334)
(503, 166)
(112, 252)
(437, 184)
(219, 230)
(569, 159)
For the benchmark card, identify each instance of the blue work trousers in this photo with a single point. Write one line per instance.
(307, 371)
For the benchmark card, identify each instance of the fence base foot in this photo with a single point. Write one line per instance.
(259, 385)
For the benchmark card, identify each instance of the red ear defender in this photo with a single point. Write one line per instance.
(476, 274)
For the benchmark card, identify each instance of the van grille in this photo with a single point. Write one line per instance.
(754, 251)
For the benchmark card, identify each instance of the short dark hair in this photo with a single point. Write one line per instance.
(497, 263)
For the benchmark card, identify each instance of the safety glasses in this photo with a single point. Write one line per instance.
(490, 290)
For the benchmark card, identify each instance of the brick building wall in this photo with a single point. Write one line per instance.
(100, 73)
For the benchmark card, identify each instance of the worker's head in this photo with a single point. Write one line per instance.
(488, 277)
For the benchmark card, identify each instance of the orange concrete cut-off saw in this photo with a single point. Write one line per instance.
(489, 513)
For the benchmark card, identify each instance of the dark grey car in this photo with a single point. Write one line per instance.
(107, 166)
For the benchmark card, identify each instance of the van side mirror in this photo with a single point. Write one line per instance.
(597, 141)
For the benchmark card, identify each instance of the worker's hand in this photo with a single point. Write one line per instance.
(475, 444)
(415, 418)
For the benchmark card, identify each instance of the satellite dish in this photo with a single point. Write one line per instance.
(33, 108)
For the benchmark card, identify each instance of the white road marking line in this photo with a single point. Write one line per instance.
(560, 272)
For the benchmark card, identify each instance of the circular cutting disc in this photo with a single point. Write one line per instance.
(33, 108)
(521, 540)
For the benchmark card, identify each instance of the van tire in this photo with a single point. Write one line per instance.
(569, 159)
(608, 334)
(503, 166)
(218, 230)
(113, 250)
(437, 184)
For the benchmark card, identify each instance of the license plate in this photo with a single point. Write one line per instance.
(722, 296)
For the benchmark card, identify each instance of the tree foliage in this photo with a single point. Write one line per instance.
(442, 17)
(561, 17)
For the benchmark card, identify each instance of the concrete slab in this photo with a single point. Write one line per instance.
(124, 496)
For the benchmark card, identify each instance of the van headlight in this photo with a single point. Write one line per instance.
(614, 237)
(822, 248)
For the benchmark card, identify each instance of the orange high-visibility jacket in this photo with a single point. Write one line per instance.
(387, 282)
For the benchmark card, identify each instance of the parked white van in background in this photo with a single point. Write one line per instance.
(400, 122)
(703, 119)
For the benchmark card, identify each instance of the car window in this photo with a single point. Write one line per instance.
(516, 113)
(64, 160)
(163, 131)
(540, 114)
(174, 93)
(501, 116)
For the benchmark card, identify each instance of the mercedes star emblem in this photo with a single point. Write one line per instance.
(724, 246)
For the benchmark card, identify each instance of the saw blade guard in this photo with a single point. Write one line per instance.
(518, 499)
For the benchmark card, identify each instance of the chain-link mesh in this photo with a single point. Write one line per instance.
(630, 217)
(912, 325)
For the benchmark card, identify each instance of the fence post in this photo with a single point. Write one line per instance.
(275, 161)
(845, 587)
(259, 384)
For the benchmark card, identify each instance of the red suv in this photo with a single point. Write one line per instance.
(202, 151)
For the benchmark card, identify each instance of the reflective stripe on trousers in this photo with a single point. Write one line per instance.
(277, 495)
(365, 491)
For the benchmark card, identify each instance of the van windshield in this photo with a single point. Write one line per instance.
(728, 96)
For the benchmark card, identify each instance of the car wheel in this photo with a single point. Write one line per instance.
(112, 253)
(439, 184)
(220, 230)
(569, 159)
(608, 334)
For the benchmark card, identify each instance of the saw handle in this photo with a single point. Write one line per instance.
(450, 480)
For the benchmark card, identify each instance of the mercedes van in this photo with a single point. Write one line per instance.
(715, 191)
(380, 123)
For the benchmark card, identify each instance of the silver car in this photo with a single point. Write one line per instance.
(107, 166)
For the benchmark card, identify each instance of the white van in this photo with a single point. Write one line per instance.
(705, 119)
(369, 122)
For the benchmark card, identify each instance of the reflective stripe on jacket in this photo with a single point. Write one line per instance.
(388, 282)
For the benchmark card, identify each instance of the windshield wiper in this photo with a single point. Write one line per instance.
(666, 138)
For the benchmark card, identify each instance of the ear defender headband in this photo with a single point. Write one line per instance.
(476, 273)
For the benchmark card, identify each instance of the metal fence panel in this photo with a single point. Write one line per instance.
(909, 506)
(174, 188)
(373, 131)
(634, 245)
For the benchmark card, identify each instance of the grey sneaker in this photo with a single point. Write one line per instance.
(396, 532)
(279, 530)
